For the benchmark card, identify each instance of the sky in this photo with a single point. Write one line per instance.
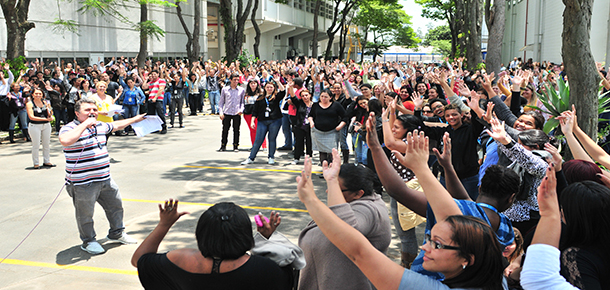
(414, 10)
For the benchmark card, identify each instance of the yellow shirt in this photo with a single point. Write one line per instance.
(103, 106)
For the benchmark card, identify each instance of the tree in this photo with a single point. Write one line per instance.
(443, 10)
(385, 21)
(495, 18)
(192, 43)
(441, 32)
(579, 63)
(473, 21)
(114, 8)
(17, 25)
(234, 33)
(405, 36)
(257, 30)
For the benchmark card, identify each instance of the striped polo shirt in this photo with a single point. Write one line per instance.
(154, 88)
(93, 164)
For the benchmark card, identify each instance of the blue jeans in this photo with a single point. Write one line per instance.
(262, 128)
(343, 138)
(287, 131)
(23, 120)
(167, 98)
(130, 111)
(360, 148)
(214, 99)
(469, 183)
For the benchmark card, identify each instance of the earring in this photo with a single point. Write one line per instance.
(464, 266)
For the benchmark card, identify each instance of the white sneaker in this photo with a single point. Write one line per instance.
(271, 161)
(248, 161)
(124, 239)
(93, 248)
(295, 162)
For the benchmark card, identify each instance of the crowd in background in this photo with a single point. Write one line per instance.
(446, 144)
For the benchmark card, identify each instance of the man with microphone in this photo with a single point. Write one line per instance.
(88, 174)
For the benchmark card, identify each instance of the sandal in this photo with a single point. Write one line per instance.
(48, 165)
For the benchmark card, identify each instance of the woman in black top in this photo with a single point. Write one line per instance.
(253, 92)
(269, 116)
(40, 114)
(301, 129)
(325, 121)
(339, 97)
(176, 89)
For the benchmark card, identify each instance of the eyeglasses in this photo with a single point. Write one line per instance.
(437, 245)
(427, 112)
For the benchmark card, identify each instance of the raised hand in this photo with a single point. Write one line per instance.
(168, 213)
(416, 157)
(444, 159)
(331, 171)
(497, 131)
(269, 228)
(304, 183)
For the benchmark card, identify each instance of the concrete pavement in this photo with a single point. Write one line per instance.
(182, 164)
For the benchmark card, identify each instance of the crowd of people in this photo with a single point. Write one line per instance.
(461, 151)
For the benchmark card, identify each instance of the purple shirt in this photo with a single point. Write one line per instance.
(231, 100)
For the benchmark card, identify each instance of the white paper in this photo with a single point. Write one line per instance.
(148, 125)
(114, 109)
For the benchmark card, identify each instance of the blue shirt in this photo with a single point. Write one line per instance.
(505, 233)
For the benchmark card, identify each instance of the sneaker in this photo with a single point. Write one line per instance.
(123, 239)
(271, 161)
(235, 149)
(222, 148)
(93, 248)
(248, 161)
(295, 162)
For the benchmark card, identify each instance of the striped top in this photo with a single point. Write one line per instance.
(94, 162)
(155, 87)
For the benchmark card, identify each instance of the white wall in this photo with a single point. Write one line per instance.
(104, 34)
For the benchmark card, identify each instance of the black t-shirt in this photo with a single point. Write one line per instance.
(271, 106)
(111, 89)
(156, 271)
(327, 119)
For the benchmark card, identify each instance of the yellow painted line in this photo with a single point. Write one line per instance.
(70, 267)
(211, 204)
(247, 169)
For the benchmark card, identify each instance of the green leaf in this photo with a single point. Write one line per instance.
(539, 109)
(550, 125)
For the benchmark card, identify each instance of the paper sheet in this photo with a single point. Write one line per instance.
(148, 125)
(114, 109)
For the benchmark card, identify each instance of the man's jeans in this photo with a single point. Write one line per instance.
(106, 193)
(214, 99)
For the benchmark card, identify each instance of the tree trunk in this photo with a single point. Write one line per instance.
(257, 36)
(461, 26)
(343, 39)
(192, 42)
(234, 34)
(473, 25)
(495, 18)
(316, 12)
(17, 25)
(363, 44)
(579, 63)
(330, 32)
(143, 36)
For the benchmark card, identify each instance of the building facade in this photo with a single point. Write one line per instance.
(287, 29)
(533, 30)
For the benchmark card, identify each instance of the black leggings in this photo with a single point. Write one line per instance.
(302, 138)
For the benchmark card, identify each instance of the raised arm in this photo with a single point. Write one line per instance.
(597, 153)
(168, 216)
(393, 183)
(454, 185)
(376, 266)
(416, 158)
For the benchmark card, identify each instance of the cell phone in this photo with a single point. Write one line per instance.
(258, 220)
